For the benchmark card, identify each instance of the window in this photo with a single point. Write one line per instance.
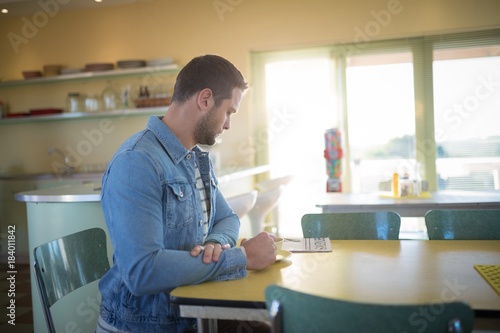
(381, 122)
(467, 117)
(427, 105)
(299, 103)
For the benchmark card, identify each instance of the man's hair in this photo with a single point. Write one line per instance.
(208, 71)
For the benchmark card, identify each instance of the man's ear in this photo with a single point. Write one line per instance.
(205, 99)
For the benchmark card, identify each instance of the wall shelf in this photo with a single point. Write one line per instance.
(86, 115)
(153, 71)
(86, 76)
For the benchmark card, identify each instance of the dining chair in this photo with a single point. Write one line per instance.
(64, 265)
(474, 224)
(359, 225)
(297, 312)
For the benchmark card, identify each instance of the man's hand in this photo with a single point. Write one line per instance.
(211, 251)
(260, 250)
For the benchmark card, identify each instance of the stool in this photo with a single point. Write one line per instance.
(243, 203)
(269, 194)
(266, 200)
(273, 183)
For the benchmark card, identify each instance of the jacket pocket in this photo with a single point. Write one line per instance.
(179, 205)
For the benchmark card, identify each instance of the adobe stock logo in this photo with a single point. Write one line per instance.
(30, 28)
(222, 7)
(460, 111)
(382, 19)
(74, 156)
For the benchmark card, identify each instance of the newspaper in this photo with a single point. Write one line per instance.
(307, 245)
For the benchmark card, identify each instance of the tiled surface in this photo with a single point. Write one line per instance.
(22, 297)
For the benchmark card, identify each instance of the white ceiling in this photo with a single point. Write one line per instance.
(29, 7)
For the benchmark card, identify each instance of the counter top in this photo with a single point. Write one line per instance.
(224, 176)
(88, 192)
(91, 191)
(408, 207)
(51, 176)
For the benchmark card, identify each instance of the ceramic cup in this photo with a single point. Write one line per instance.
(279, 243)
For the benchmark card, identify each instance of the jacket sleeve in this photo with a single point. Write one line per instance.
(226, 226)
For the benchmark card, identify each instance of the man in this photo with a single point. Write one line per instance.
(168, 222)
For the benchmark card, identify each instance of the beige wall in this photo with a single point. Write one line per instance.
(183, 29)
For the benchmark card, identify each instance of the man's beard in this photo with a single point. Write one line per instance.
(204, 131)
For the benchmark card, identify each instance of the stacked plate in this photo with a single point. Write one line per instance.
(71, 70)
(97, 67)
(52, 70)
(31, 74)
(160, 62)
(45, 111)
(131, 63)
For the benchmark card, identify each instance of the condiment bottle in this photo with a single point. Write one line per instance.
(395, 185)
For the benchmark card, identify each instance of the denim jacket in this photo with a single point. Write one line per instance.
(154, 217)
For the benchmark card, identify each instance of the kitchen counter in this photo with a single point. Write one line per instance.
(224, 176)
(89, 192)
(53, 213)
(51, 176)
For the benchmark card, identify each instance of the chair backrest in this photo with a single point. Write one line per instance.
(361, 225)
(478, 224)
(296, 312)
(63, 265)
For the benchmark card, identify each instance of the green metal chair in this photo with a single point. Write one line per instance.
(478, 224)
(295, 312)
(64, 265)
(361, 225)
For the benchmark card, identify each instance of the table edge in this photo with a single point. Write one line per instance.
(180, 301)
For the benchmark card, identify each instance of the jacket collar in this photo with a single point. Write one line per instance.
(168, 139)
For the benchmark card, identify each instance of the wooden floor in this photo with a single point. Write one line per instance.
(20, 293)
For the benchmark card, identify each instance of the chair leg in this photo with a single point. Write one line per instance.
(275, 315)
(207, 325)
(43, 298)
(257, 224)
(455, 326)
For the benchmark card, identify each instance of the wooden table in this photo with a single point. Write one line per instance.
(401, 272)
(408, 207)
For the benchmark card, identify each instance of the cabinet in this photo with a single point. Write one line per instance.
(144, 75)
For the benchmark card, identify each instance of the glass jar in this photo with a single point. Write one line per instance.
(92, 103)
(110, 98)
(75, 102)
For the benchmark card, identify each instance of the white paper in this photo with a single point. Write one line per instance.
(308, 245)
